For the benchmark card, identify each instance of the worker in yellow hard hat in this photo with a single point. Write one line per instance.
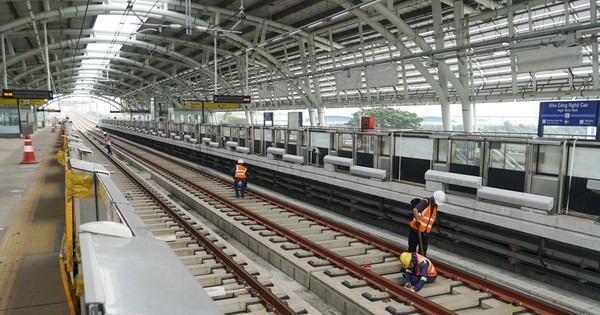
(418, 270)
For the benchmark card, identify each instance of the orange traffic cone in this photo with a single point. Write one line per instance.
(28, 155)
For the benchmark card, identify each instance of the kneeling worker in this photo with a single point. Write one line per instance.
(418, 270)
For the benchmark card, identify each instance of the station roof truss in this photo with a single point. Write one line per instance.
(293, 54)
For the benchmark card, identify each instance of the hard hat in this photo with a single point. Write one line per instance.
(104, 132)
(405, 259)
(439, 197)
(240, 161)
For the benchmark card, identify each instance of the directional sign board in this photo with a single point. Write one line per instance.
(568, 113)
(48, 110)
(200, 104)
(133, 111)
(239, 99)
(8, 101)
(28, 94)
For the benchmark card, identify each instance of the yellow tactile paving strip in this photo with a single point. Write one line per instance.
(24, 236)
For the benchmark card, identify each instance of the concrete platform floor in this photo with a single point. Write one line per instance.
(31, 226)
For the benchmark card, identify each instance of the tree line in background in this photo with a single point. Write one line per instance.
(398, 119)
(390, 118)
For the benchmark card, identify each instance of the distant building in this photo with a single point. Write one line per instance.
(336, 120)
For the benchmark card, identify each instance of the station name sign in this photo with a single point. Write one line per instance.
(28, 94)
(569, 113)
(238, 99)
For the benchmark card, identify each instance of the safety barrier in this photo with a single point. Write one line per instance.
(272, 152)
(213, 144)
(373, 173)
(331, 162)
(205, 141)
(231, 145)
(435, 180)
(293, 158)
(516, 198)
(242, 150)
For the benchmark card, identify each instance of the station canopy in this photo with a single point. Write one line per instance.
(298, 54)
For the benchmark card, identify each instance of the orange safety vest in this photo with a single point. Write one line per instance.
(430, 270)
(426, 217)
(240, 171)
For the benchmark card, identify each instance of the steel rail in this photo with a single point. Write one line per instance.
(273, 303)
(481, 284)
(396, 290)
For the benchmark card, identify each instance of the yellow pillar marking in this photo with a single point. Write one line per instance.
(22, 237)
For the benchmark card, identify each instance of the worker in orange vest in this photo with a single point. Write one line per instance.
(418, 270)
(423, 217)
(240, 176)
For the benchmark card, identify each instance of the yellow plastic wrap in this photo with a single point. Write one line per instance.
(72, 299)
(79, 185)
(79, 285)
(60, 156)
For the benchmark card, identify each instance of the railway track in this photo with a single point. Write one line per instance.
(327, 258)
(236, 284)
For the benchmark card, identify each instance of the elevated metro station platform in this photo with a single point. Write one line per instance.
(32, 211)
(32, 221)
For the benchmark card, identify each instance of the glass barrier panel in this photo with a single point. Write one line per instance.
(508, 156)
(269, 135)
(292, 136)
(345, 142)
(365, 143)
(320, 139)
(548, 159)
(385, 145)
(226, 131)
(585, 162)
(418, 148)
(258, 134)
(280, 136)
(466, 152)
(442, 152)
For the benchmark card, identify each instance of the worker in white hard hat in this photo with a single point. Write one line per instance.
(240, 176)
(418, 270)
(424, 212)
(108, 143)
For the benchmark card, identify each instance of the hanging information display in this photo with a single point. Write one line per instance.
(28, 94)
